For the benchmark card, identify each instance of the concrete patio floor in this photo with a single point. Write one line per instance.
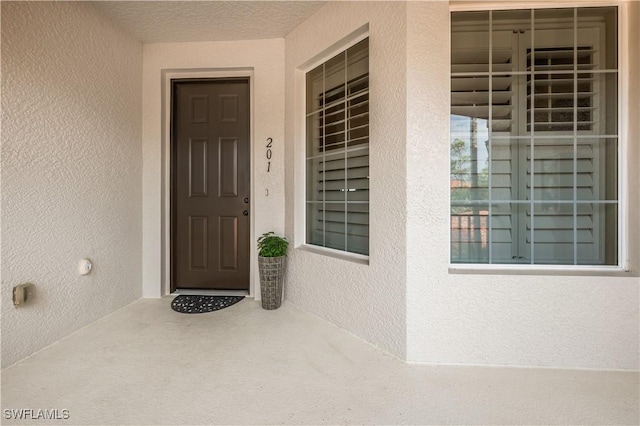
(146, 364)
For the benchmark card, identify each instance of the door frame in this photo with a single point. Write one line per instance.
(165, 197)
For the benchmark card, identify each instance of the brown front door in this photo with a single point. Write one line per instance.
(210, 185)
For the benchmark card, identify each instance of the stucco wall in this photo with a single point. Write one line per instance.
(71, 170)
(566, 321)
(367, 300)
(526, 320)
(265, 59)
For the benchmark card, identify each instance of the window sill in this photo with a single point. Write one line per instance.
(565, 270)
(337, 254)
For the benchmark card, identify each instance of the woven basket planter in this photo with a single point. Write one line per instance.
(271, 280)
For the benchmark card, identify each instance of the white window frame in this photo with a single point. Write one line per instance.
(622, 268)
(300, 172)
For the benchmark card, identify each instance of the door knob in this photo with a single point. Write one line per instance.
(245, 212)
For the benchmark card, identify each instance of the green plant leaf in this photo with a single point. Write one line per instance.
(271, 245)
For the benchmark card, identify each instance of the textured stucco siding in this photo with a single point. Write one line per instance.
(263, 58)
(525, 320)
(77, 182)
(367, 300)
(552, 320)
(71, 170)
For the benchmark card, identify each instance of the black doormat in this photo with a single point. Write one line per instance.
(202, 304)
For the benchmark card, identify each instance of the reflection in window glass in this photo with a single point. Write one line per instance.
(337, 151)
(534, 131)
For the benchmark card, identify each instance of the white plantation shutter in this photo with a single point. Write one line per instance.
(554, 181)
(535, 188)
(567, 102)
(484, 98)
(472, 84)
(338, 152)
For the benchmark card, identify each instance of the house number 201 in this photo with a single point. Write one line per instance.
(269, 153)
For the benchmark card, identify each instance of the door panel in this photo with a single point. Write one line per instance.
(228, 167)
(198, 243)
(198, 166)
(210, 180)
(228, 231)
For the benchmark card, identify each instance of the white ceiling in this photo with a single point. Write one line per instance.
(178, 21)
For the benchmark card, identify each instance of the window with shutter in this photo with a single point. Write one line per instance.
(534, 137)
(337, 153)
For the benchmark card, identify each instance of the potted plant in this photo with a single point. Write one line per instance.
(272, 256)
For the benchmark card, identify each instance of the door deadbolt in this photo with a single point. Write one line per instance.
(245, 212)
(246, 200)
